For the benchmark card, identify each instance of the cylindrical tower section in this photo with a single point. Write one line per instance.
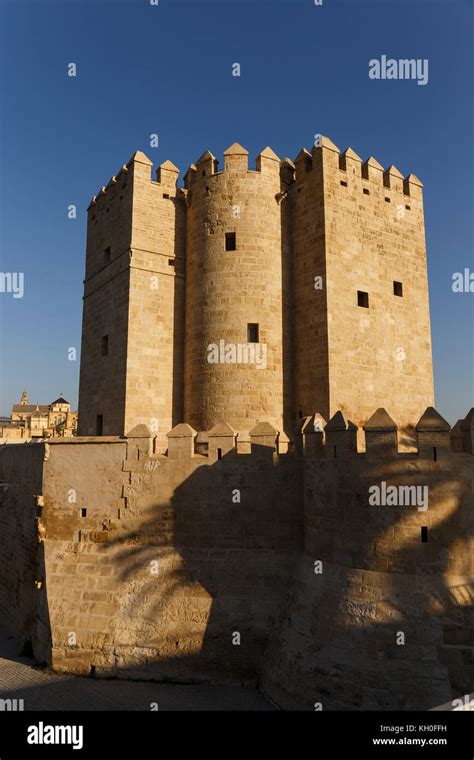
(237, 314)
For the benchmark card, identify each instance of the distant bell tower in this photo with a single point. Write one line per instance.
(24, 398)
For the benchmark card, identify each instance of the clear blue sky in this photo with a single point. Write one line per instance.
(167, 70)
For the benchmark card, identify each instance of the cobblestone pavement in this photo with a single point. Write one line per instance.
(43, 690)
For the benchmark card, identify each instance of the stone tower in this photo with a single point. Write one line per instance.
(132, 333)
(363, 338)
(267, 294)
(237, 294)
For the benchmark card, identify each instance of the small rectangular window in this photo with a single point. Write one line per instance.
(166, 195)
(99, 424)
(366, 191)
(362, 299)
(407, 207)
(83, 512)
(107, 255)
(424, 534)
(219, 454)
(104, 345)
(387, 200)
(171, 262)
(397, 289)
(344, 184)
(230, 243)
(252, 333)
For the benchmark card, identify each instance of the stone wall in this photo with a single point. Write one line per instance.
(22, 568)
(338, 644)
(201, 566)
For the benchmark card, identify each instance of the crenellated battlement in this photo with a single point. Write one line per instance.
(236, 161)
(236, 164)
(336, 439)
(352, 171)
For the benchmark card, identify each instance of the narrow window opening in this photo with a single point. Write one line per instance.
(408, 208)
(99, 424)
(300, 414)
(387, 200)
(435, 454)
(424, 534)
(366, 191)
(230, 242)
(118, 514)
(344, 184)
(104, 345)
(219, 453)
(362, 299)
(252, 333)
(83, 512)
(166, 195)
(107, 255)
(397, 289)
(171, 262)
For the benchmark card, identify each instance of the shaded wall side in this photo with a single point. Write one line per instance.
(310, 336)
(106, 309)
(337, 643)
(21, 564)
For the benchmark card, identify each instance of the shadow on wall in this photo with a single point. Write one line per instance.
(203, 576)
(388, 624)
(23, 604)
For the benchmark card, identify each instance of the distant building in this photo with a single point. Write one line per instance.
(36, 421)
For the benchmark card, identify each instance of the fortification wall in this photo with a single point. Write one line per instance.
(198, 566)
(367, 576)
(22, 571)
(154, 573)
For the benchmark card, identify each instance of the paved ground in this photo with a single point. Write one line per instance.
(42, 690)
